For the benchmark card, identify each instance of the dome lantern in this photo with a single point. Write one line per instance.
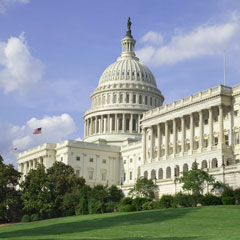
(128, 43)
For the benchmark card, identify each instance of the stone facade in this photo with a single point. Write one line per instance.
(128, 133)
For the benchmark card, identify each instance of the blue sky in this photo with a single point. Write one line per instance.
(52, 54)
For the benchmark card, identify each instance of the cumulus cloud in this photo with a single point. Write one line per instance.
(202, 41)
(4, 4)
(20, 70)
(152, 37)
(54, 129)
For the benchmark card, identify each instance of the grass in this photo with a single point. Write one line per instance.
(214, 222)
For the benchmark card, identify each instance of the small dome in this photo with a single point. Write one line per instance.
(127, 69)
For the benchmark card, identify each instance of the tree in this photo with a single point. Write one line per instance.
(196, 180)
(10, 201)
(35, 194)
(115, 194)
(143, 188)
(61, 180)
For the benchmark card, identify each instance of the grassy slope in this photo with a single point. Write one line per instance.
(215, 222)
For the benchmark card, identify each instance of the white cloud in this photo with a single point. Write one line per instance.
(21, 70)
(54, 129)
(4, 4)
(202, 41)
(152, 37)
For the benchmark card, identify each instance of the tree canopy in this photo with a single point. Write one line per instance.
(143, 188)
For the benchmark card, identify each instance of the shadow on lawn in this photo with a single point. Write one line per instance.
(80, 226)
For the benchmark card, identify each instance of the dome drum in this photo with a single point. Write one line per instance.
(126, 89)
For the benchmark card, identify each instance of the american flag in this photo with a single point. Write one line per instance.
(37, 131)
(14, 149)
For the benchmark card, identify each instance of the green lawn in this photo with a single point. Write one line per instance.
(215, 222)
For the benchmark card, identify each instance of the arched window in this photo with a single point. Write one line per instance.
(168, 172)
(153, 174)
(177, 171)
(214, 163)
(204, 164)
(134, 98)
(185, 167)
(194, 165)
(160, 173)
(146, 174)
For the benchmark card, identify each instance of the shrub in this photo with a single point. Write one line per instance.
(183, 200)
(156, 204)
(236, 194)
(227, 200)
(139, 201)
(147, 206)
(26, 218)
(35, 217)
(210, 199)
(126, 208)
(110, 206)
(166, 201)
(95, 207)
(125, 201)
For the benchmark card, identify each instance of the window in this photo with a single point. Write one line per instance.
(206, 121)
(127, 124)
(90, 175)
(196, 124)
(140, 99)
(235, 113)
(78, 158)
(134, 124)
(130, 175)
(124, 162)
(120, 98)
(226, 138)
(134, 98)
(124, 176)
(114, 98)
(104, 176)
(91, 160)
(215, 141)
(131, 160)
(61, 158)
(146, 100)
(104, 161)
(77, 173)
(150, 101)
(236, 138)
(127, 99)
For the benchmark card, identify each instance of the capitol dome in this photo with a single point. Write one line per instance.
(126, 89)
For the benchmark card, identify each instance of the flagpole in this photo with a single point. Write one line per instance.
(224, 59)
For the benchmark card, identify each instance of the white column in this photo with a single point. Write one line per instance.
(101, 122)
(159, 140)
(166, 139)
(191, 132)
(174, 137)
(200, 130)
(96, 125)
(221, 135)
(151, 144)
(210, 111)
(110, 124)
(183, 134)
(116, 127)
(90, 126)
(139, 116)
(131, 123)
(230, 117)
(144, 144)
(104, 125)
(124, 122)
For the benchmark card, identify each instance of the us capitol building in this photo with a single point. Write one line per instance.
(129, 133)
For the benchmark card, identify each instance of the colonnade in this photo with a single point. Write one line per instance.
(159, 143)
(25, 167)
(109, 123)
